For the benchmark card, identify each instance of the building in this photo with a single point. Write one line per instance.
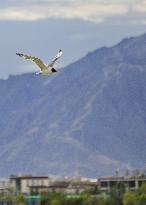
(5, 186)
(53, 186)
(37, 184)
(29, 184)
(106, 184)
(24, 184)
(79, 186)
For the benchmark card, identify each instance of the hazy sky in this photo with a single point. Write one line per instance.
(41, 27)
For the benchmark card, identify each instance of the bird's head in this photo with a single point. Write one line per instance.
(53, 70)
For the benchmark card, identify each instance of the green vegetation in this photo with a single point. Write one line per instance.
(117, 196)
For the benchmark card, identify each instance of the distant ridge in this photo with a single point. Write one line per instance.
(90, 117)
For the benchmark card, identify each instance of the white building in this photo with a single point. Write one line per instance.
(5, 186)
(24, 184)
(36, 184)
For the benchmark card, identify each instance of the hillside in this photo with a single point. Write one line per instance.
(90, 117)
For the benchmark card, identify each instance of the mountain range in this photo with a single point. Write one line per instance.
(87, 119)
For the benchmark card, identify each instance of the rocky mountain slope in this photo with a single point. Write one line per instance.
(90, 117)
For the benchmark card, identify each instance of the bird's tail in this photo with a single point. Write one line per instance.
(37, 73)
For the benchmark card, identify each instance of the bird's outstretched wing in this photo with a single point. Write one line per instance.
(37, 61)
(59, 54)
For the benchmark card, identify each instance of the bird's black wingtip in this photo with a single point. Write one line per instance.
(19, 54)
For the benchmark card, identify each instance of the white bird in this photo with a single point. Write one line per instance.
(44, 70)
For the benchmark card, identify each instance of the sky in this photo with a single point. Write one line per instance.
(42, 27)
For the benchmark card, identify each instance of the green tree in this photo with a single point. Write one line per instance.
(7, 198)
(18, 199)
(115, 197)
(86, 198)
(142, 189)
(52, 198)
(130, 198)
(74, 201)
(100, 201)
(142, 199)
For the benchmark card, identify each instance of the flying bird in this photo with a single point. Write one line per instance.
(44, 70)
